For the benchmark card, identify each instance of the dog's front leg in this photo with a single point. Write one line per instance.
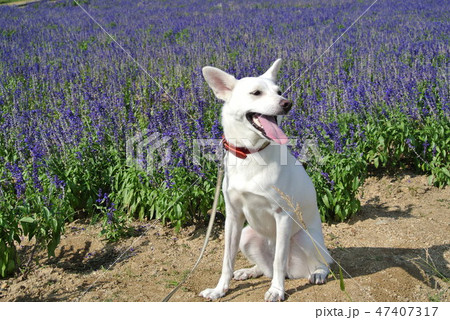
(283, 237)
(233, 228)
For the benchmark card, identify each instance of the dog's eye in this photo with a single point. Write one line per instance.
(255, 93)
(279, 92)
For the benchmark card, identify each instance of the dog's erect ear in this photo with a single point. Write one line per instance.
(271, 74)
(220, 82)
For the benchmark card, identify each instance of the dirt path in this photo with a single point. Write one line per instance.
(396, 249)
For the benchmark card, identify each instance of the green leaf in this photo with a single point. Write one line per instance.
(337, 209)
(341, 280)
(142, 213)
(325, 201)
(128, 194)
(329, 194)
(355, 184)
(27, 220)
(47, 213)
(90, 204)
(54, 224)
(445, 170)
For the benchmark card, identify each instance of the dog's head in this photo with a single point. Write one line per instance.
(252, 105)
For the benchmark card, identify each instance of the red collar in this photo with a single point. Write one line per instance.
(241, 152)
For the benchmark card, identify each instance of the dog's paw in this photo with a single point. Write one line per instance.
(248, 273)
(274, 295)
(212, 293)
(318, 277)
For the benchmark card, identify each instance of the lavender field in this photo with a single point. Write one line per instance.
(71, 98)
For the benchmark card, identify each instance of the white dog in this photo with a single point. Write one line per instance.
(257, 174)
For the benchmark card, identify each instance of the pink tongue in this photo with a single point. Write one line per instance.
(272, 130)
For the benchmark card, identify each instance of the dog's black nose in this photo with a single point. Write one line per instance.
(286, 105)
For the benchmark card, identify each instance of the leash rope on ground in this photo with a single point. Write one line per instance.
(208, 233)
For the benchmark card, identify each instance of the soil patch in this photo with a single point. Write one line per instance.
(396, 249)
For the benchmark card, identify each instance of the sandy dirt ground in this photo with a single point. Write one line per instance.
(396, 249)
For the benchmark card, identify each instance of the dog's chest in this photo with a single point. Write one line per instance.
(259, 210)
(252, 192)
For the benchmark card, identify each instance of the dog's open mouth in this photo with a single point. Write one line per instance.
(268, 126)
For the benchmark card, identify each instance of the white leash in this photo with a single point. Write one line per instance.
(208, 232)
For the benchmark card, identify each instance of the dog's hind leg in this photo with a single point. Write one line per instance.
(247, 273)
(256, 248)
(308, 257)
